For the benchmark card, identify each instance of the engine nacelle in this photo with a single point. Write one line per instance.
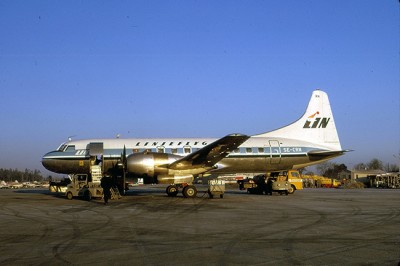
(150, 164)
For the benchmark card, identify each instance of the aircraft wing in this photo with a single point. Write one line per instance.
(210, 154)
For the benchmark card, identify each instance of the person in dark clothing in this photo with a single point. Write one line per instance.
(106, 184)
(269, 186)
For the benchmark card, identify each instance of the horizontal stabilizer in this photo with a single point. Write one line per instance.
(323, 153)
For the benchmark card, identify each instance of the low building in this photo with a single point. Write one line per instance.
(362, 175)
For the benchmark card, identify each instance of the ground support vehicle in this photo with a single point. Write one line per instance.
(89, 186)
(216, 187)
(389, 180)
(261, 184)
(279, 184)
(295, 179)
(327, 182)
(82, 186)
(59, 186)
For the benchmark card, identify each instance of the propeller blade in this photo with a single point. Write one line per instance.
(123, 158)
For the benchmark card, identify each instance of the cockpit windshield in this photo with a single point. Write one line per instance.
(62, 147)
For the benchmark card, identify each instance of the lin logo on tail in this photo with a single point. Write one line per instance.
(316, 122)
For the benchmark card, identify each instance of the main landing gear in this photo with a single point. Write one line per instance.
(189, 191)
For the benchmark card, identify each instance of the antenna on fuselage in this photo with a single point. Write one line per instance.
(70, 137)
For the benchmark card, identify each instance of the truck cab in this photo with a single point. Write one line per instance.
(294, 177)
(278, 184)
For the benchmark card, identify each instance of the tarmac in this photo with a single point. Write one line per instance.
(146, 227)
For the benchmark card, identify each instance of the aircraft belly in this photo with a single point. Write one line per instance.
(262, 164)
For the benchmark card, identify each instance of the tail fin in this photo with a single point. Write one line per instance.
(316, 125)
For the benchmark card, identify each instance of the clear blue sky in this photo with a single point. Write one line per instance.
(195, 68)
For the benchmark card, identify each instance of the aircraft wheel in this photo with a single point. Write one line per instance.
(189, 192)
(172, 191)
(69, 195)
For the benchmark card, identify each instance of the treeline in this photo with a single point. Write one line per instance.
(378, 165)
(10, 175)
(332, 170)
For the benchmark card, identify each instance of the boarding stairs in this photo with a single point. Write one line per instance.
(97, 175)
(115, 193)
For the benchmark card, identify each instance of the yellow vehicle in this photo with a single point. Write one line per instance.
(328, 182)
(294, 177)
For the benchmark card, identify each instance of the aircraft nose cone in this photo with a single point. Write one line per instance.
(48, 162)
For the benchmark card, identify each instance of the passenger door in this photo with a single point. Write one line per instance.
(275, 152)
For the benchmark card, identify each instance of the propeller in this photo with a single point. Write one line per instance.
(124, 163)
(123, 160)
(120, 168)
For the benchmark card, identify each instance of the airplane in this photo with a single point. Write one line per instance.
(310, 140)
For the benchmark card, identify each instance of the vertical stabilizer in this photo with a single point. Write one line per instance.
(316, 125)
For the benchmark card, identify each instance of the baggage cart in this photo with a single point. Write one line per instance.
(216, 187)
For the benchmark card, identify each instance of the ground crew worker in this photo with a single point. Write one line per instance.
(106, 184)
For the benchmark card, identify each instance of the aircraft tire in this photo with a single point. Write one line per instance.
(69, 196)
(172, 191)
(189, 192)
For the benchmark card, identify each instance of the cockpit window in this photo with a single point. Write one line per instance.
(70, 148)
(62, 147)
(65, 147)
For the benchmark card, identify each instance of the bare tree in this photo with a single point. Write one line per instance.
(360, 166)
(323, 167)
(375, 164)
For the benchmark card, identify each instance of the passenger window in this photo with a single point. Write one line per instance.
(160, 149)
(249, 150)
(174, 150)
(260, 150)
(186, 149)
